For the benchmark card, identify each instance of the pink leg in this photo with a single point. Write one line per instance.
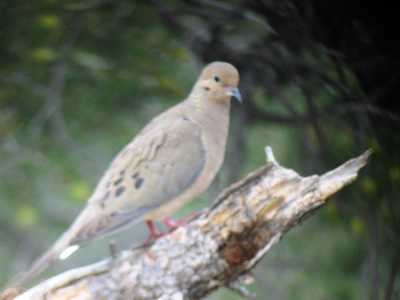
(154, 233)
(172, 224)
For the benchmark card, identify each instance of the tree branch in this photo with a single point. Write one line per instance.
(215, 250)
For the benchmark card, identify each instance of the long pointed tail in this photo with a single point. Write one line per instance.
(42, 263)
(61, 249)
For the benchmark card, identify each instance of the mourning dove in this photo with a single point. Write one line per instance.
(171, 161)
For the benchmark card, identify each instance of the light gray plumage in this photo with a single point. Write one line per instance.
(171, 161)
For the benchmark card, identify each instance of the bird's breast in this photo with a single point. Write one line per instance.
(214, 136)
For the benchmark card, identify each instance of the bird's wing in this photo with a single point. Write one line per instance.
(157, 167)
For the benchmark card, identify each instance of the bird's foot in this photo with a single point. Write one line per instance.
(172, 224)
(154, 233)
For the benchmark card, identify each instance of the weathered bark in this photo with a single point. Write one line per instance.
(217, 249)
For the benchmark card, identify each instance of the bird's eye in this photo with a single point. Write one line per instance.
(217, 79)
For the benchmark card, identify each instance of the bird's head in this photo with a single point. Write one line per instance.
(219, 81)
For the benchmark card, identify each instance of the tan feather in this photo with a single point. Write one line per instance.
(171, 161)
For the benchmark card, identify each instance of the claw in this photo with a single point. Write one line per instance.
(172, 224)
(154, 233)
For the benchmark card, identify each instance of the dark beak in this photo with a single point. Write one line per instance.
(235, 93)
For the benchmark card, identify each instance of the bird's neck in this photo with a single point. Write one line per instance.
(213, 117)
(210, 113)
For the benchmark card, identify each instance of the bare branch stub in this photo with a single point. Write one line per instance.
(212, 251)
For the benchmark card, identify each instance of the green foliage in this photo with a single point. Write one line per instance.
(26, 216)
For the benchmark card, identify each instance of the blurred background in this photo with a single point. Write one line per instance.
(320, 81)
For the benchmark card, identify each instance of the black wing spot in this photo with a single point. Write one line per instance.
(118, 181)
(139, 182)
(104, 199)
(119, 191)
(136, 175)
